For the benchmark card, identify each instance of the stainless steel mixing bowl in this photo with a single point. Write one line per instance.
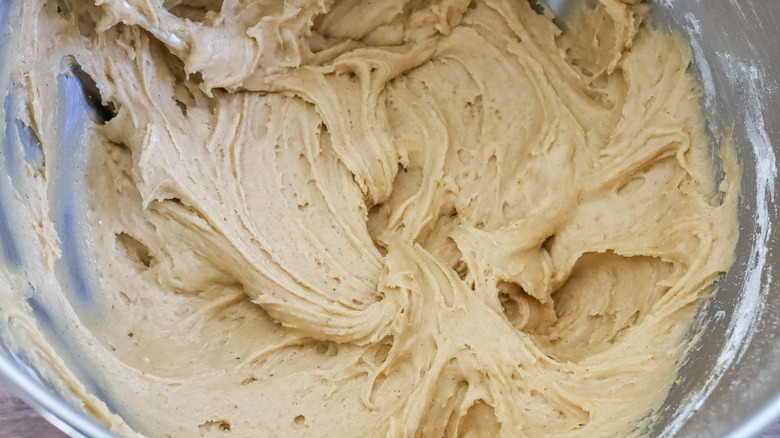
(730, 384)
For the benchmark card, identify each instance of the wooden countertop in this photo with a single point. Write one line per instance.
(17, 420)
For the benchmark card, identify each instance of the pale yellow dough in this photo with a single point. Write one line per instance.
(375, 218)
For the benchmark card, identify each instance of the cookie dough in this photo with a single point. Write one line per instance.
(357, 218)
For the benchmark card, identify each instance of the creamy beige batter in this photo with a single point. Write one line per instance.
(367, 218)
